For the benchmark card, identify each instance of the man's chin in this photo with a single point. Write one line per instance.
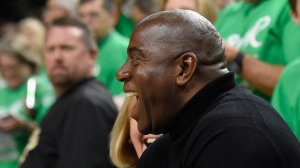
(60, 81)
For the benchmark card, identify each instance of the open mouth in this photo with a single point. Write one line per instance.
(132, 94)
(129, 94)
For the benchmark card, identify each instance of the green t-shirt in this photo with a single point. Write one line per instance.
(112, 55)
(286, 97)
(12, 103)
(11, 100)
(291, 41)
(256, 30)
(125, 26)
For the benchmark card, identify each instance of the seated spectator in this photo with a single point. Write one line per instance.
(34, 32)
(100, 16)
(254, 47)
(286, 97)
(75, 131)
(22, 102)
(133, 11)
(58, 9)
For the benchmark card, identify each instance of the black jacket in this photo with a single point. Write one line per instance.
(224, 126)
(75, 132)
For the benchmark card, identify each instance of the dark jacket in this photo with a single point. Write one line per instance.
(75, 132)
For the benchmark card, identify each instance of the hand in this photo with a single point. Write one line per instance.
(10, 124)
(231, 52)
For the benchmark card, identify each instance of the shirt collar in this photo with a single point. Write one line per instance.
(197, 107)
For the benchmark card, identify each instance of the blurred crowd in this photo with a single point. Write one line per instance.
(261, 39)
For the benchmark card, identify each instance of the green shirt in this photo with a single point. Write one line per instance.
(256, 30)
(286, 97)
(291, 41)
(12, 103)
(11, 100)
(112, 55)
(125, 26)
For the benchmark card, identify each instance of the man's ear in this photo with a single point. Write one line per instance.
(187, 64)
(93, 53)
(295, 17)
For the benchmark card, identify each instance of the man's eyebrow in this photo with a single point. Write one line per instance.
(135, 50)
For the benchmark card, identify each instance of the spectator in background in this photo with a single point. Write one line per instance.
(125, 24)
(221, 4)
(176, 68)
(141, 9)
(127, 144)
(254, 46)
(133, 11)
(101, 17)
(75, 131)
(18, 63)
(206, 8)
(58, 9)
(34, 32)
(286, 97)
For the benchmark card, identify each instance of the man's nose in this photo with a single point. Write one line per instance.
(123, 74)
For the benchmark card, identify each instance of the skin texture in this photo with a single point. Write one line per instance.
(64, 47)
(168, 63)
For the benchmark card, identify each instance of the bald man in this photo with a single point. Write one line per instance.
(176, 68)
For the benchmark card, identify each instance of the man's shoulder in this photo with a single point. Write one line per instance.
(91, 90)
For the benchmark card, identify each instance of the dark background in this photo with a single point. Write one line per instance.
(14, 10)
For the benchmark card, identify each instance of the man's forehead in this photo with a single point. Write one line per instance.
(75, 31)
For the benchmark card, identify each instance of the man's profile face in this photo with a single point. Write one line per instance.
(67, 58)
(149, 75)
(96, 17)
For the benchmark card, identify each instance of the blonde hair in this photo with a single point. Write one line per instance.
(122, 152)
(37, 28)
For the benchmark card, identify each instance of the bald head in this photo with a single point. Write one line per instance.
(176, 53)
(181, 31)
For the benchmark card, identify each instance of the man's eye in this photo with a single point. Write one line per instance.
(67, 48)
(134, 61)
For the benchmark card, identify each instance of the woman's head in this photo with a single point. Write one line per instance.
(17, 60)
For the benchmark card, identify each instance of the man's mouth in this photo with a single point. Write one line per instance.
(129, 94)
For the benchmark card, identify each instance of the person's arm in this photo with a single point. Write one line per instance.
(11, 124)
(258, 74)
